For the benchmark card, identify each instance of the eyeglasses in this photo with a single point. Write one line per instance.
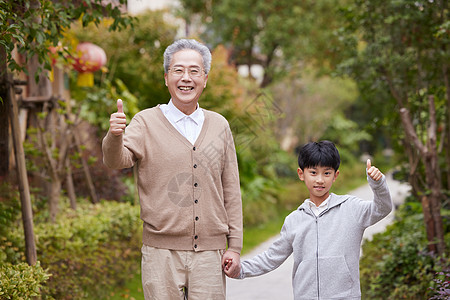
(180, 71)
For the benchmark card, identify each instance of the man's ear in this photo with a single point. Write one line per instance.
(206, 80)
(301, 175)
(165, 78)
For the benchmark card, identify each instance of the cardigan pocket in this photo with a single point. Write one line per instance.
(335, 280)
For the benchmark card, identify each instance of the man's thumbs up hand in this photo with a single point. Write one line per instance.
(118, 120)
(119, 106)
(373, 172)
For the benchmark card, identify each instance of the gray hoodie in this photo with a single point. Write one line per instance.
(326, 248)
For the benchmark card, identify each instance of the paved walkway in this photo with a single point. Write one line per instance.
(277, 284)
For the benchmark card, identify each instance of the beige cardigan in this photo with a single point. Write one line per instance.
(189, 195)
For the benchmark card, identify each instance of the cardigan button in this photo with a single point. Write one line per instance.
(196, 184)
(195, 201)
(196, 218)
(195, 246)
(194, 148)
(195, 166)
(196, 237)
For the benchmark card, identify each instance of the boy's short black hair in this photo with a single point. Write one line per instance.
(319, 154)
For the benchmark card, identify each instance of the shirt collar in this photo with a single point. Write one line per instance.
(323, 204)
(177, 115)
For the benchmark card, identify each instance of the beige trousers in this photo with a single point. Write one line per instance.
(169, 274)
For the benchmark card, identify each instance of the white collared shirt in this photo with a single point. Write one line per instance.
(318, 209)
(189, 126)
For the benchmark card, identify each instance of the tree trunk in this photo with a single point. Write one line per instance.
(433, 177)
(429, 157)
(27, 213)
(86, 172)
(413, 161)
(436, 243)
(447, 124)
(52, 167)
(54, 187)
(429, 223)
(445, 75)
(69, 185)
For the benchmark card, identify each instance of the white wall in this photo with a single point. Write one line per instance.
(136, 6)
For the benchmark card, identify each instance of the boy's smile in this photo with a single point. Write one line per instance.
(318, 180)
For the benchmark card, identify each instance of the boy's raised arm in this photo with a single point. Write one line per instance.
(371, 212)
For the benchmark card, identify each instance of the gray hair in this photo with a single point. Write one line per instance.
(184, 44)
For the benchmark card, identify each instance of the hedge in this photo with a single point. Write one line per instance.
(396, 263)
(21, 281)
(81, 256)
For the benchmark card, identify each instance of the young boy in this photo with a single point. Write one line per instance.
(325, 232)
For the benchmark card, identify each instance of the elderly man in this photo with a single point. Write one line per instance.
(188, 183)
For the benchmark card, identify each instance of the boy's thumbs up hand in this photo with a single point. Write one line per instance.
(118, 120)
(373, 172)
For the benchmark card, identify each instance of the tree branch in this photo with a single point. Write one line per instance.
(410, 131)
(431, 141)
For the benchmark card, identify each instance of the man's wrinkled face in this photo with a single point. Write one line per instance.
(186, 79)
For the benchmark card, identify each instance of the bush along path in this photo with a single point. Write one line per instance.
(277, 284)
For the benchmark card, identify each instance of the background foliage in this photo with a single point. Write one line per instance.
(33, 26)
(399, 58)
(396, 264)
(81, 255)
(135, 56)
(303, 96)
(275, 34)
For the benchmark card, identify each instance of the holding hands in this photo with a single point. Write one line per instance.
(231, 264)
(118, 120)
(373, 172)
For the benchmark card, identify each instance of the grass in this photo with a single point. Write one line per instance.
(132, 290)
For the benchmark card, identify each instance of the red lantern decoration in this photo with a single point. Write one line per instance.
(53, 53)
(89, 59)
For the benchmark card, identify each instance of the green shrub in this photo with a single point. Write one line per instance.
(442, 289)
(258, 201)
(86, 251)
(396, 264)
(90, 249)
(21, 281)
(259, 192)
(9, 214)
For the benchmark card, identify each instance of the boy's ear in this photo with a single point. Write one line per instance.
(336, 175)
(300, 174)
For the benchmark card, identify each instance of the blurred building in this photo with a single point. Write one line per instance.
(137, 6)
(171, 9)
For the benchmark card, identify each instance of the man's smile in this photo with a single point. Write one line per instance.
(186, 88)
